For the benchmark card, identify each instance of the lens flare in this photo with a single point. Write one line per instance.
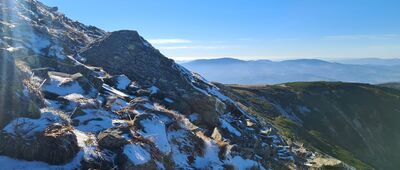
(16, 32)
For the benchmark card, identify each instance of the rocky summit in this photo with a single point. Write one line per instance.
(77, 97)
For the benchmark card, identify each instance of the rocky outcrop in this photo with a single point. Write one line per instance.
(136, 58)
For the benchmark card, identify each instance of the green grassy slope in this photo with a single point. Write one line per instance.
(356, 123)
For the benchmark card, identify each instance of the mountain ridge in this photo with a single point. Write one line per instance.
(275, 72)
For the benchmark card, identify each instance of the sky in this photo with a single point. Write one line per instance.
(256, 29)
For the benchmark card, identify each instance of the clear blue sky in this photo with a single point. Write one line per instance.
(251, 29)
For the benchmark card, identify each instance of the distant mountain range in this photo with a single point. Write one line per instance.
(371, 61)
(234, 71)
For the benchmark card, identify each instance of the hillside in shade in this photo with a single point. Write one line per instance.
(357, 123)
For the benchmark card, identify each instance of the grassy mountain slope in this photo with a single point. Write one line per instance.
(356, 123)
(394, 85)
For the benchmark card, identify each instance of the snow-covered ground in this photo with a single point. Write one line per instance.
(155, 131)
(137, 154)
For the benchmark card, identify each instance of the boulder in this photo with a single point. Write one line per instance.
(56, 145)
(66, 84)
(112, 139)
(42, 72)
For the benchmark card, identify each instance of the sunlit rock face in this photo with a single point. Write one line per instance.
(41, 35)
(14, 96)
(9, 84)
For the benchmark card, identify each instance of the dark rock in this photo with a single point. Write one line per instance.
(77, 112)
(142, 92)
(104, 161)
(96, 82)
(42, 72)
(56, 145)
(54, 9)
(112, 139)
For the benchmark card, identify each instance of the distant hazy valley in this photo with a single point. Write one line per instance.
(234, 71)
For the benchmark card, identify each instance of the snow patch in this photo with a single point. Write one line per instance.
(114, 91)
(137, 154)
(13, 49)
(154, 90)
(74, 97)
(210, 158)
(57, 86)
(168, 100)
(94, 120)
(118, 104)
(178, 155)
(155, 131)
(229, 127)
(242, 164)
(29, 127)
(123, 82)
(88, 144)
(215, 91)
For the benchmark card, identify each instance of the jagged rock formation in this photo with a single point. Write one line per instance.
(110, 100)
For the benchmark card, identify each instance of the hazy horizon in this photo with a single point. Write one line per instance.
(284, 59)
